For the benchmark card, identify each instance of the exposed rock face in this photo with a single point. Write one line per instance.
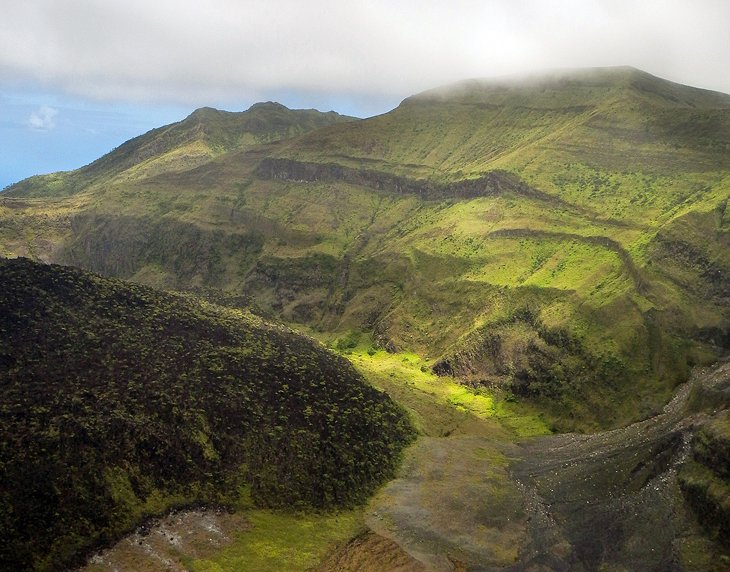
(705, 479)
(491, 184)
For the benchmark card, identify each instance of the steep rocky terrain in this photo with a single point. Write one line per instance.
(649, 496)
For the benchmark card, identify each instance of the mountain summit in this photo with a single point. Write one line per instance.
(611, 117)
(574, 86)
(205, 134)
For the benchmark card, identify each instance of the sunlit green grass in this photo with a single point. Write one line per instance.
(291, 541)
(408, 378)
(280, 541)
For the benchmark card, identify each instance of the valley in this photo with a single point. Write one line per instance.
(490, 493)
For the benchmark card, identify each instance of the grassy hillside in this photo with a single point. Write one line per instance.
(120, 401)
(615, 118)
(203, 135)
(562, 237)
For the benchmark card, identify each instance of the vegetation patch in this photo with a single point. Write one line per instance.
(409, 379)
(277, 541)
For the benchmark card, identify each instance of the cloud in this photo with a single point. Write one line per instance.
(44, 119)
(193, 52)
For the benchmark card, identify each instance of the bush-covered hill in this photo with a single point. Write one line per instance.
(566, 237)
(118, 401)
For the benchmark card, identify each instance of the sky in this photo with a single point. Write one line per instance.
(80, 77)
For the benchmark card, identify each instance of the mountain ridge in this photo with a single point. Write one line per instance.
(497, 125)
(619, 78)
(202, 135)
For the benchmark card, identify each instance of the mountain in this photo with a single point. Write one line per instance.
(618, 119)
(203, 135)
(120, 402)
(561, 237)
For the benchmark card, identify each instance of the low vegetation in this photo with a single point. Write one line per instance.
(120, 401)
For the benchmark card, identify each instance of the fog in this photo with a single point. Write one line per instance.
(192, 52)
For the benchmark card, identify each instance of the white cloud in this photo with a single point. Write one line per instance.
(44, 119)
(207, 52)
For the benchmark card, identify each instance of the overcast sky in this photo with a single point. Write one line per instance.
(78, 77)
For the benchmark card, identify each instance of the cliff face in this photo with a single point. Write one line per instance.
(704, 478)
(493, 184)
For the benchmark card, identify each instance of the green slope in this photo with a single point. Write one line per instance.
(564, 237)
(120, 401)
(615, 117)
(203, 135)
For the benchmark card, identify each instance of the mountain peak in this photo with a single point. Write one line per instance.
(203, 114)
(269, 105)
(570, 87)
(205, 133)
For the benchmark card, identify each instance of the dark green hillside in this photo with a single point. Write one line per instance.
(594, 202)
(119, 401)
(204, 134)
